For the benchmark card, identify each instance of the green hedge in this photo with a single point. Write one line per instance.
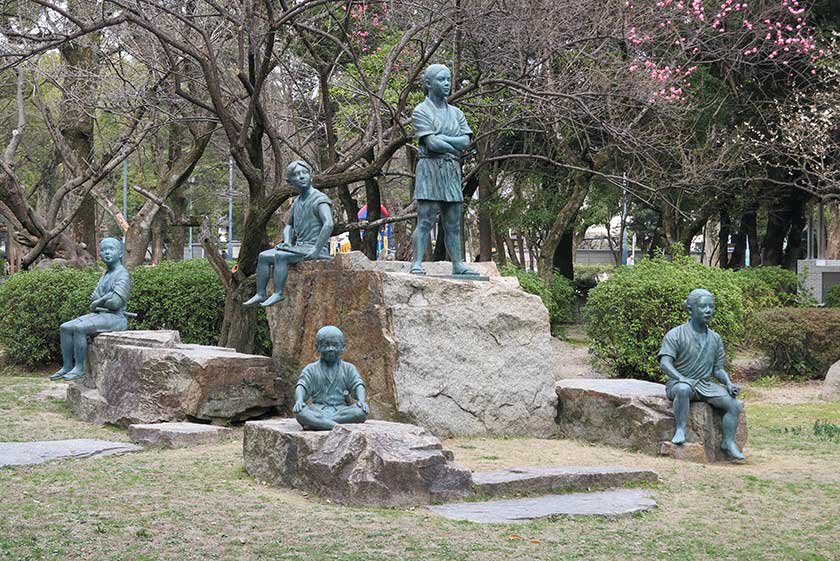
(832, 297)
(587, 277)
(558, 298)
(630, 312)
(801, 342)
(182, 295)
(34, 304)
(770, 287)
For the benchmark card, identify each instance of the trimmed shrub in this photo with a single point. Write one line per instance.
(558, 299)
(801, 342)
(33, 304)
(630, 312)
(182, 295)
(764, 286)
(832, 297)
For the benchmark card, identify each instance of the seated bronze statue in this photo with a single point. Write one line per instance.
(107, 307)
(690, 355)
(327, 384)
(305, 236)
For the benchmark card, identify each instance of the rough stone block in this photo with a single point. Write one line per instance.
(555, 479)
(457, 357)
(177, 435)
(138, 377)
(831, 386)
(637, 415)
(376, 463)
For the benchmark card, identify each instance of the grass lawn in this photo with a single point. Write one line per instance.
(199, 504)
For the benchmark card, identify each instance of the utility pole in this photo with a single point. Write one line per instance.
(230, 208)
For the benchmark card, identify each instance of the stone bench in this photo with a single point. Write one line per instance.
(637, 415)
(150, 377)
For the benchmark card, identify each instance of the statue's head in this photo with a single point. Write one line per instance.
(437, 78)
(701, 305)
(110, 250)
(329, 341)
(299, 174)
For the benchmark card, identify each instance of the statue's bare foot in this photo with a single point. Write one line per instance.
(417, 270)
(59, 375)
(273, 299)
(254, 300)
(731, 449)
(463, 270)
(74, 374)
(679, 437)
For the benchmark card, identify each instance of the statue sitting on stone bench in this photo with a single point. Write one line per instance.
(690, 355)
(328, 383)
(305, 236)
(107, 306)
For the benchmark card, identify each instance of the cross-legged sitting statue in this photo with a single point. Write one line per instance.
(107, 306)
(305, 236)
(327, 383)
(690, 355)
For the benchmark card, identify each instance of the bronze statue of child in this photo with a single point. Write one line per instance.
(107, 307)
(690, 355)
(327, 383)
(305, 236)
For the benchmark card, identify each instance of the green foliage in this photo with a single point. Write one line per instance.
(558, 298)
(825, 430)
(182, 295)
(832, 297)
(765, 286)
(801, 342)
(630, 312)
(34, 304)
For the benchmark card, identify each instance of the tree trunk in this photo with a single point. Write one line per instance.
(374, 212)
(501, 253)
(798, 221)
(158, 238)
(176, 232)
(562, 224)
(832, 240)
(485, 228)
(750, 224)
(723, 240)
(563, 260)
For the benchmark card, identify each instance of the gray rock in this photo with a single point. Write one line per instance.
(554, 479)
(29, 453)
(376, 463)
(177, 435)
(831, 386)
(454, 356)
(149, 376)
(604, 503)
(637, 415)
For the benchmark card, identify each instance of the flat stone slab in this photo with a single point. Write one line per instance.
(376, 463)
(554, 479)
(141, 377)
(30, 453)
(604, 503)
(177, 435)
(638, 415)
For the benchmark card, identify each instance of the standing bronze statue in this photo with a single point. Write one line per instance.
(690, 355)
(327, 383)
(107, 306)
(443, 134)
(305, 236)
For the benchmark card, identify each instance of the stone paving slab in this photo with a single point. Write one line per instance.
(29, 453)
(553, 479)
(604, 503)
(177, 435)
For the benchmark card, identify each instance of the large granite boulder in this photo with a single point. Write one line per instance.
(457, 357)
(376, 463)
(638, 415)
(831, 386)
(150, 377)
